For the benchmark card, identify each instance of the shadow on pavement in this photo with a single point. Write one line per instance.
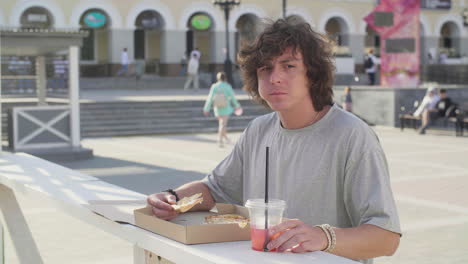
(138, 177)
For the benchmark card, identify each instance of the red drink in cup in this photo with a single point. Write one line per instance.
(259, 212)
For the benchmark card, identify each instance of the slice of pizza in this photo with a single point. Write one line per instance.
(227, 219)
(188, 202)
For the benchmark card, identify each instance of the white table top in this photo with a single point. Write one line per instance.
(73, 192)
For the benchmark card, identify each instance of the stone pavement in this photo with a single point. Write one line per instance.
(429, 175)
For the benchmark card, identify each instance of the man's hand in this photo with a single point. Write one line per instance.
(297, 237)
(206, 113)
(161, 205)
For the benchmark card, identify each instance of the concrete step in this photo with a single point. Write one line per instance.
(162, 131)
(149, 125)
(155, 117)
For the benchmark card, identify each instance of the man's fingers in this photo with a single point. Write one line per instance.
(162, 205)
(164, 214)
(171, 199)
(299, 249)
(294, 241)
(289, 224)
(281, 239)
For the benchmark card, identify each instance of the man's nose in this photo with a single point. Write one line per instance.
(276, 76)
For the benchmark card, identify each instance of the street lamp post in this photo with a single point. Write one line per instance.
(226, 6)
(284, 9)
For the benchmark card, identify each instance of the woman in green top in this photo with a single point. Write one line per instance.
(223, 100)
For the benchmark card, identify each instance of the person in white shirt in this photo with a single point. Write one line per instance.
(370, 64)
(427, 108)
(192, 72)
(197, 52)
(124, 63)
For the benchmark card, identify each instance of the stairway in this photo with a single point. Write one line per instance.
(157, 117)
(123, 118)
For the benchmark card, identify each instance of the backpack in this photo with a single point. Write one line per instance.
(219, 99)
(368, 63)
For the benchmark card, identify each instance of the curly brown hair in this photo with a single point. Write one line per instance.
(298, 35)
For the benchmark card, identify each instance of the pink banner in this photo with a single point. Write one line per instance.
(397, 23)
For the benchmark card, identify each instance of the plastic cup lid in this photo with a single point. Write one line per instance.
(260, 203)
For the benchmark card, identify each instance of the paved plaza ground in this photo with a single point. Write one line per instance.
(429, 175)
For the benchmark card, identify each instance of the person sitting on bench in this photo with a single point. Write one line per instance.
(427, 110)
(445, 106)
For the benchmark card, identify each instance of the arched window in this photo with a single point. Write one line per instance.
(337, 31)
(247, 30)
(36, 17)
(95, 46)
(148, 35)
(372, 41)
(199, 35)
(449, 42)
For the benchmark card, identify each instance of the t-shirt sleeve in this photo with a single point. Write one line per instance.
(368, 195)
(225, 181)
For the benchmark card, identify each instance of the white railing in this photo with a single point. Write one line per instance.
(33, 127)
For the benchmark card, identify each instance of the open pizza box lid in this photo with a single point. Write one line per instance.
(190, 227)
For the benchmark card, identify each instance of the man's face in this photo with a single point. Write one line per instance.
(283, 83)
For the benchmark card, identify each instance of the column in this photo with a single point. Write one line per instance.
(73, 94)
(219, 47)
(173, 46)
(41, 81)
(2, 244)
(0, 111)
(356, 47)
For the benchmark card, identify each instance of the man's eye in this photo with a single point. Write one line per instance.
(290, 66)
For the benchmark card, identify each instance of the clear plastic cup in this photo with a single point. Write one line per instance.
(258, 209)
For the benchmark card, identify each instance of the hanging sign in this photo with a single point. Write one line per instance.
(95, 19)
(201, 22)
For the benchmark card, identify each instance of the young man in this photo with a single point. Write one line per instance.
(324, 162)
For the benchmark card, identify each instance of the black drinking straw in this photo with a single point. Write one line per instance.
(266, 202)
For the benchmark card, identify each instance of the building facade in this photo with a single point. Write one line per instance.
(161, 33)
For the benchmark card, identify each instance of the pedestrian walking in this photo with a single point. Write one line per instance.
(123, 63)
(192, 72)
(370, 64)
(223, 101)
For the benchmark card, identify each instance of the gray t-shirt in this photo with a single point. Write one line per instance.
(333, 171)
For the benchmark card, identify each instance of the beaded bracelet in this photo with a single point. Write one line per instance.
(327, 235)
(331, 237)
(173, 193)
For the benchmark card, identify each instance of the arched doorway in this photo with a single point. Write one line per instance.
(199, 36)
(296, 18)
(36, 17)
(96, 46)
(449, 41)
(247, 31)
(338, 32)
(372, 41)
(148, 36)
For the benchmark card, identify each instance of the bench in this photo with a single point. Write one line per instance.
(459, 121)
(74, 193)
